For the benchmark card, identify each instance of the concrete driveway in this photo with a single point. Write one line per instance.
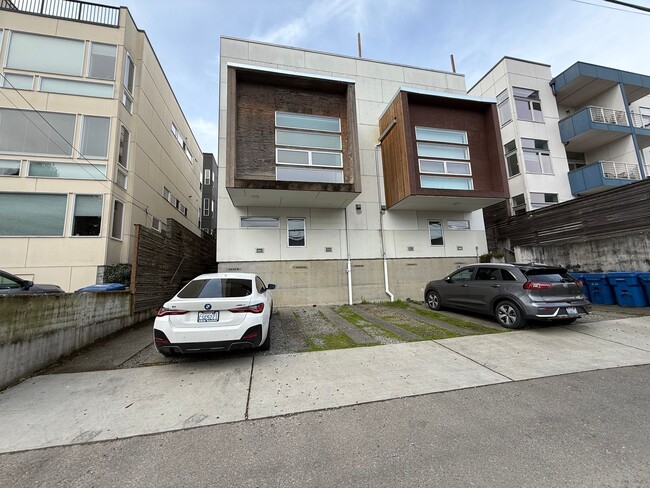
(70, 404)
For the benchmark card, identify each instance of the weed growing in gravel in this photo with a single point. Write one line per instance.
(477, 328)
(358, 321)
(325, 342)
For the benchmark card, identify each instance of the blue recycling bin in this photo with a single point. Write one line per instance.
(628, 289)
(644, 279)
(581, 278)
(600, 291)
(102, 287)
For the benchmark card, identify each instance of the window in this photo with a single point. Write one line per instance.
(123, 153)
(435, 233)
(170, 198)
(313, 154)
(45, 54)
(181, 208)
(488, 274)
(187, 152)
(32, 214)
(503, 106)
(259, 222)
(206, 207)
(207, 177)
(519, 204)
(29, 132)
(540, 200)
(177, 135)
(217, 288)
(118, 219)
(129, 83)
(87, 219)
(94, 137)
(102, 61)
(74, 87)
(443, 152)
(261, 287)
(296, 232)
(527, 104)
(19, 82)
(9, 167)
(158, 225)
(462, 275)
(511, 158)
(121, 179)
(536, 156)
(68, 171)
(458, 224)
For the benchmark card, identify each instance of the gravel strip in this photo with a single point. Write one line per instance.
(353, 332)
(405, 334)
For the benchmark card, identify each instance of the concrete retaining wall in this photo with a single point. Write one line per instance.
(630, 252)
(324, 282)
(37, 330)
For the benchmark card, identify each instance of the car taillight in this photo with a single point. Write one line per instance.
(579, 283)
(537, 285)
(169, 311)
(252, 309)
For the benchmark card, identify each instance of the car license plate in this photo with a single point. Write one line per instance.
(209, 316)
(572, 310)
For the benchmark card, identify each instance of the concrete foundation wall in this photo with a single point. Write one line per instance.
(325, 282)
(35, 331)
(629, 252)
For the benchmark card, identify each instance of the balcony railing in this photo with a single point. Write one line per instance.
(620, 171)
(641, 121)
(93, 13)
(608, 116)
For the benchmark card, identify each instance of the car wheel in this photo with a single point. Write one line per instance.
(433, 300)
(266, 345)
(509, 315)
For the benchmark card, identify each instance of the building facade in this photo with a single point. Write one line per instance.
(343, 179)
(580, 132)
(92, 141)
(209, 189)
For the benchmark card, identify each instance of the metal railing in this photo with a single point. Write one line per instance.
(641, 121)
(620, 171)
(93, 13)
(608, 116)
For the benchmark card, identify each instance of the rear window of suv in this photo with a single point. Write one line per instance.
(548, 275)
(217, 288)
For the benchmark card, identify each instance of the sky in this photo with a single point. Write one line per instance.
(185, 36)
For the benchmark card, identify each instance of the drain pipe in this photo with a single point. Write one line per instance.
(382, 211)
(348, 269)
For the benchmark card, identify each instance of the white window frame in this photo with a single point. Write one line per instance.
(126, 92)
(121, 237)
(125, 174)
(207, 176)
(89, 57)
(338, 131)
(538, 153)
(310, 158)
(128, 147)
(20, 168)
(453, 225)
(206, 207)
(505, 102)
(529, 101)
(72, 215)
(446, 169)
(304, 230)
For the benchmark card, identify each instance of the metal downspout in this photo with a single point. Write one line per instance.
(382, 211)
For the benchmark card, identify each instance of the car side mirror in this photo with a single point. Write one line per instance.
(27, 284)
(270, 286)
(448, 279)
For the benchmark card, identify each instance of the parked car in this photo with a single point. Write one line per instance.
(216, 312)
(13, 285)
(513, 293)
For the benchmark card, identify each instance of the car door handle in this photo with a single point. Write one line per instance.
(464, 286)
(496, 286)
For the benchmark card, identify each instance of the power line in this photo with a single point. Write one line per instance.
(610, 8)
(630, 5)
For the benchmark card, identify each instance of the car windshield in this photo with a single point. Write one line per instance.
(548, 275)
(217, 288)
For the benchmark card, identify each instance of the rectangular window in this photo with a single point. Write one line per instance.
(444, 167)
(181, 208)
(537, 156)
(206, 207)
(45, 54)
(528, 104)
(207, 177)
(121, 179)
(296, 232)
(74, 87)
(158, 225)
(41, 133)
(511, 158)
(123, 153)
(87, 220)
(67, 171)
(259, 222)
(9, 167)
(519, 204)
(503, 105)
(19, 82)
(441, 135)
(541, 200)
(458, 224)
(187, 152)
(449, 153)
(441, 151)
(102, 61)
(94, 137)
(435, 233)
(314, 151)
(32, 214)
(129, 83)
(177, 135)
(446, 183)
(118, 220)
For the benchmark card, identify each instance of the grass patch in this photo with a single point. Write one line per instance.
(325, 342)
(477, 328)
(358, 321)
(424, 330)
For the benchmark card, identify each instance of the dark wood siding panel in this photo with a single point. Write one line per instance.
(231, 121)
(255, 132)
(394, 154)
(351, 149)
(495, 151)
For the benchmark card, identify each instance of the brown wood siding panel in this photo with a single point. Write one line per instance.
(351, 149)
(394, 154)
(231, 119)
(614, 212)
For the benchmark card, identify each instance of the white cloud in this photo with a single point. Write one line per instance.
(206, 133)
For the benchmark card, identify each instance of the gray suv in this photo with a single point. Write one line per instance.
(512, 293)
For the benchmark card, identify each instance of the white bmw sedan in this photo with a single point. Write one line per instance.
(216, 312)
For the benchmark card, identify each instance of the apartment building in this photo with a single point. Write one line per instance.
(92, 141)
(343, 179)
(580, 132)
(209, 189)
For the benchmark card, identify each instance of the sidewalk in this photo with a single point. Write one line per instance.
(64, 409)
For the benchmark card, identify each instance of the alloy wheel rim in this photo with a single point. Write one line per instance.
(507, 314)
(433, 300)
